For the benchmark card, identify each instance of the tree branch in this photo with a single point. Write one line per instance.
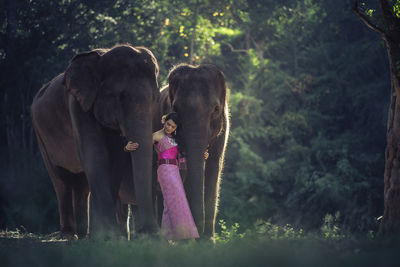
(368, 22)
(236, 50)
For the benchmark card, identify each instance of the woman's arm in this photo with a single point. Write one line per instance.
(157, 136)
(131, 146)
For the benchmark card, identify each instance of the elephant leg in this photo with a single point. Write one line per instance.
(63, 190)
(211, 188)
(158, 201)
(81, 197)
(135, 217)
(102, 207)
(160, 207)
(123, 218)
(121, 169)
(95, 159)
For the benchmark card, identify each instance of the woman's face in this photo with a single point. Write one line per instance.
(170, 126)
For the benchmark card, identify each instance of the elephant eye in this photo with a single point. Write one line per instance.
(216, 109)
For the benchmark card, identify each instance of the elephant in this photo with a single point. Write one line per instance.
(199, 95)
(82, 119)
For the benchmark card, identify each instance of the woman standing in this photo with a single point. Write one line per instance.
(177, 220)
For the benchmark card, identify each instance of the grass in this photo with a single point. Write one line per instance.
(266, 245)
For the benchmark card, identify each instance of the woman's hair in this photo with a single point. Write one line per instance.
(174, 117)
(178, 133)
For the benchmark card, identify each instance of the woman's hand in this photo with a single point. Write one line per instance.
(206, 154)
(131, 146)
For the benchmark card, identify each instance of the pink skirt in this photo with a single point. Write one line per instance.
(177, 220)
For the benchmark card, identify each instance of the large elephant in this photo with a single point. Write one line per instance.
(199, 95)
(81, 119)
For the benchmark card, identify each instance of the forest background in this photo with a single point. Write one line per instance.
(309, 96)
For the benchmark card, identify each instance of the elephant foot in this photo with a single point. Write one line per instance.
(82, 231)
(82, 235)
(70, 237)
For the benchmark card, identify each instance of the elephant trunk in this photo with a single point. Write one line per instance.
(140, 130)
(195, 146)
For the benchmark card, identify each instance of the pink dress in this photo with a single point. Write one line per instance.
(177, 220)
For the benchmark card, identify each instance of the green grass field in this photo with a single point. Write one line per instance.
(275, 247)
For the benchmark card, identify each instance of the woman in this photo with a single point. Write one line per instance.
(177, 220)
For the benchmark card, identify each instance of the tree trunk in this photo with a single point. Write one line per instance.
(391, 217)
(390, 223)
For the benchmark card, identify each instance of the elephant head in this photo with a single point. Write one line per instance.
(119, 87)
(198, 95)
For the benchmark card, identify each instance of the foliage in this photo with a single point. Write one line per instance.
(267, 230)
(228, 234)
(396, 8)
(330, 229)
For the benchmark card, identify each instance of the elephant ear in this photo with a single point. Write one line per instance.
(218, 81)
(82, 78)
(219, 124)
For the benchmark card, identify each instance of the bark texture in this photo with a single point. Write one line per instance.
(391, 218)
(390, 33)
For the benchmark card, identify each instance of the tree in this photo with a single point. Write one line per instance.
(304, 98)
(390, 33)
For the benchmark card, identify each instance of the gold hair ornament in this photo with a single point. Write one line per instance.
(163, 118)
